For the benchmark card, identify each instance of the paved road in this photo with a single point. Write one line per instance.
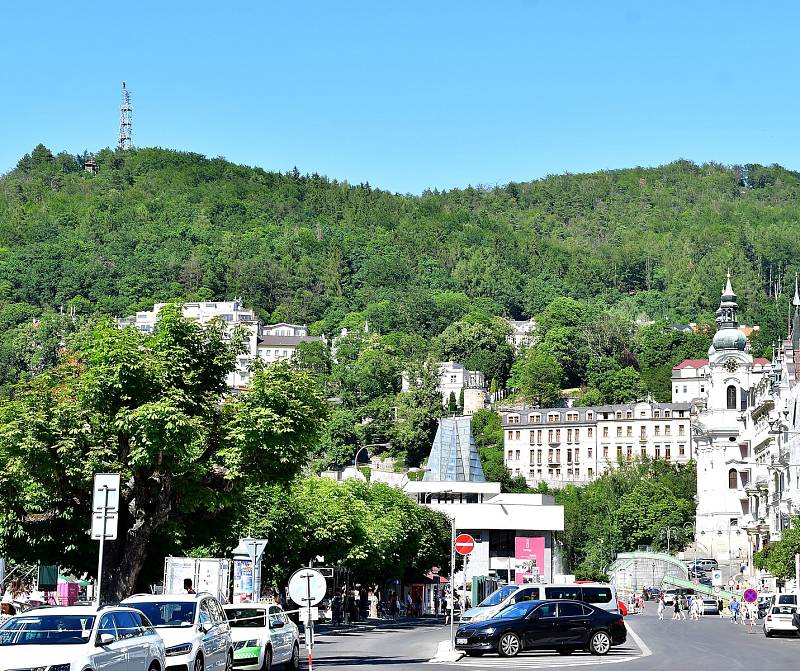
(712, 644)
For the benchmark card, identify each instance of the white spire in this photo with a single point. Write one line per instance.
(796, 299)
(728, 290)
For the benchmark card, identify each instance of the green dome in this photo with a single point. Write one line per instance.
(729, 339)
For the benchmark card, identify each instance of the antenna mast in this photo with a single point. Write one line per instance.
(125, 121)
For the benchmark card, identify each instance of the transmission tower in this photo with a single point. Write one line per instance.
(125, 121)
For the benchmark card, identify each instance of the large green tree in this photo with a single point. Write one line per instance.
(155, 409)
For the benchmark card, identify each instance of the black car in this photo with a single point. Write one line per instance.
(562, 625)
(651, 593)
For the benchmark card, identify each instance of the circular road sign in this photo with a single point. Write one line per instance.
(716, 589)
(307, 587)
(750, 595)
(465, 544)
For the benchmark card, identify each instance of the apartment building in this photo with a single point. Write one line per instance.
(563, 446)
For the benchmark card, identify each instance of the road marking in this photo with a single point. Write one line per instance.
(546, 659)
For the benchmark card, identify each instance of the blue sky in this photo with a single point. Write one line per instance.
(408, 95)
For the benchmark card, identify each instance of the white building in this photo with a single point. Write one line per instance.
(690, 378)
(563, 446)
(455, 378)
(523, 333)
(280, 341)
(232, 313)
(270, 342)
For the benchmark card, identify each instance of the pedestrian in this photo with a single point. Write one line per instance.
(363, 603)
(661, 607)
(409, 605)
(641, 603)
(751, 614)
(676, 606)
(684, 606)
(734, 607)
(337, 608)
(393, 605)
(187, 586)
(436, 602)
(720, 607)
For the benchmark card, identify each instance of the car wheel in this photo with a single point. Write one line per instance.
(509, 645)
(267, 663)
(198, 663)
(294, 662)
(600, 643)
(767, 633)
(229, 661)
(565, 651)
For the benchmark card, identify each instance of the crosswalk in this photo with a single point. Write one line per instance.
(549, 660)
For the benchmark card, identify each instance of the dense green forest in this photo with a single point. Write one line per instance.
(414, 279)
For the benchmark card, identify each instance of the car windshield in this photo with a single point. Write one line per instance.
(783, 610)
(247, 617)
(520, 609)
(47, 630)
(498, 596)
(167, 613)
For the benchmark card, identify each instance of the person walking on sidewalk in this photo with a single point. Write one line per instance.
(734, 608)
(661, 607)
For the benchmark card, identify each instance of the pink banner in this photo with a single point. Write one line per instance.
(529, 555)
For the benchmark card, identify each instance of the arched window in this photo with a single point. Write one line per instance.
(731, 397)
(733, 479)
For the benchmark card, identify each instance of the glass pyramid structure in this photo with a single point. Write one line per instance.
(454, 456)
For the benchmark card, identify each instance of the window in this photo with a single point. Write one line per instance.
(680, 430)
(569, 456)
(546, 609)
(590, 452)
(733, 479)
(642, 414)
(667, 451)
(630, 452)
(569, 435)
(702, 389)
(597, 595)
(605, 432)
(517, 455)
(531, 594)
(643, 451)
(577, 457)
(453, 379)
(619, 415)
(643, 433)
(657, 430)
(516, 437)
(590, 431)
(666, 414)
(658, 451)
(630, 431)
(558, 435)
(558, 456)
(731, 396)
(532, 437)
(676, 390)
(619, 452)
(533, 456)
(577, 435)
(680, 413)
(511, 435)
(549, 456)
(570, 610)
(107, 626)
(590, 415)
(656, 414)
(510, 455)
(591, 472)
(205, 616)
(550, 435)
(681, 450)
(563, 592)
(684, 389)
(537, 418)
(539, 436)
(666, 429)
(629, 414)
(619, 432)
(127, 626)
(538, 457)
(605, 451)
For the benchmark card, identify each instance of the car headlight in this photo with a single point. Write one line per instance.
(59, 667)
(489, 630)
(252, 643)
(182, 649)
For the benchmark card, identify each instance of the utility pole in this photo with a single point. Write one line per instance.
(125, 140)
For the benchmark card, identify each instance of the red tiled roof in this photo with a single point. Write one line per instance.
(691, 363)
(762, 361)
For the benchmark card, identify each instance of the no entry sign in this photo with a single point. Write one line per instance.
(465, 544)
(750, 595)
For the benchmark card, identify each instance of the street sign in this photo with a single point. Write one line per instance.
(465, 544)
(750, 595)
(717, 589)
(309, 614)
(105, 506)
(731, 582)
(716, 578)
(307, 587)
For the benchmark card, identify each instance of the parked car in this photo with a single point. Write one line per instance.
(75, 638)
(562, 625)
(262, 635)
(196, 634)
(697, 573)
(601, 595)
(710, 606)
(779, 620)
(651, 593)
(705, 581)
(669, 596)
(703, 565)
(764, 604)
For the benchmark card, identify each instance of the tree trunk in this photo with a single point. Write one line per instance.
(148, 506)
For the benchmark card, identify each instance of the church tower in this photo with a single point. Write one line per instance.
(721, 448)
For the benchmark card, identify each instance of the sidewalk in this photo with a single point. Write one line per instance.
(378, 623)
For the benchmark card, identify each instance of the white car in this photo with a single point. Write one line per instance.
(669, 597)
(262, 636)
(779, 619)
(81, 638)
(195, 632)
